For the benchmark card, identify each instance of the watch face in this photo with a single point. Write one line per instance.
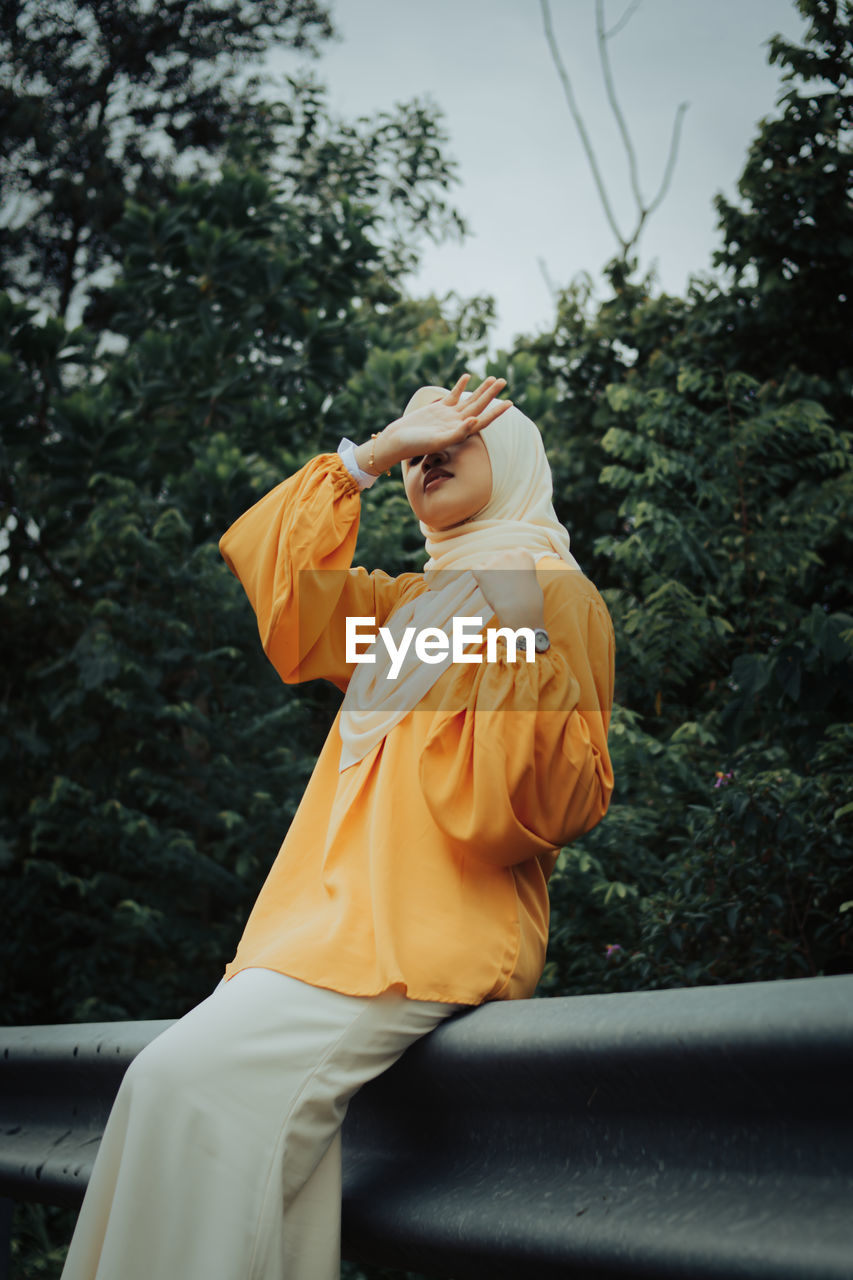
(541, 640)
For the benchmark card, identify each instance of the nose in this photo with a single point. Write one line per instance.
(437, 458)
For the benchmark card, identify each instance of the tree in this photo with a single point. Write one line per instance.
(790, 249)
(100, 100)
(147, 782)
(727, 853)
(626, 244)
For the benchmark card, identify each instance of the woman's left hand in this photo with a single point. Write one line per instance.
(512, 589)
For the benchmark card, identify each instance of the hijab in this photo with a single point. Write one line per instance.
(518, 514)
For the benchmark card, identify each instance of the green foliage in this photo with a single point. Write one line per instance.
(256, 318)
(725, 434)
(701, 451)
(789, 248)
(40, 1235)
(98, 103)
(153, 761)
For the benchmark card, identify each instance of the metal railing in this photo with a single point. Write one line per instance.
(692, 1133)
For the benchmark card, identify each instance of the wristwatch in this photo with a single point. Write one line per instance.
(541, 640)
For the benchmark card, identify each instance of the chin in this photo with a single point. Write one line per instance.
(441, 521)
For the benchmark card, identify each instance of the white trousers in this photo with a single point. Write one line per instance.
(221, 1158)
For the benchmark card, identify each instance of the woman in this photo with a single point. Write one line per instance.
(412, 881)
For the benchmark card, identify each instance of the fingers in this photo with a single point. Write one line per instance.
(481, 407)
(477, 401)
(487, 390)
(494, 411)
(457, 389)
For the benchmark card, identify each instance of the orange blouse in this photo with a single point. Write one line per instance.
(422, 867)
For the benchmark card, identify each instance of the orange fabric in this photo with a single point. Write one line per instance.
(424, 866)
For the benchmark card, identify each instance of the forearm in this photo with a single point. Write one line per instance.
(292, 553)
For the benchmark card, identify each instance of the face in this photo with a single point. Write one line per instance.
(459, 493)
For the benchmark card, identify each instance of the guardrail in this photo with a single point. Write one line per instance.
(697, 1133)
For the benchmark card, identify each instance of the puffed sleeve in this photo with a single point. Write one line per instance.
(522, 767)
(292, 552)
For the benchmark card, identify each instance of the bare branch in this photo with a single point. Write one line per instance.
(603, 36)
(624, 20)
(673, 149)
(549, 283)
(612, 99)
(576, 116)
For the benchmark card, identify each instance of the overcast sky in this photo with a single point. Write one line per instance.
(527, 191)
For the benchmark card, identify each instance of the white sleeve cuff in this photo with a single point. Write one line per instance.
(346, 449)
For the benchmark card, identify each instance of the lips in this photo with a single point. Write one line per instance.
(433, 474)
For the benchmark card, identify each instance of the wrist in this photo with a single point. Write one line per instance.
(376, 454)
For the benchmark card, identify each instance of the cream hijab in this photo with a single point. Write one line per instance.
(519, 513)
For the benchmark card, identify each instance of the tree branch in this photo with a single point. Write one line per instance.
(549, 283)
(576, 116)
(673, 149)
(614, 104)
(624, 20)
(603, 35)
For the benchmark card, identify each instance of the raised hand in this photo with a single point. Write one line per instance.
(434, 426)
(448, 420)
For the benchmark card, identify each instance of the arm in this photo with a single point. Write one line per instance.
(518, 764)
(292, 553)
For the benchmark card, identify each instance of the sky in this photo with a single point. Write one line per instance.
(526, 189)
